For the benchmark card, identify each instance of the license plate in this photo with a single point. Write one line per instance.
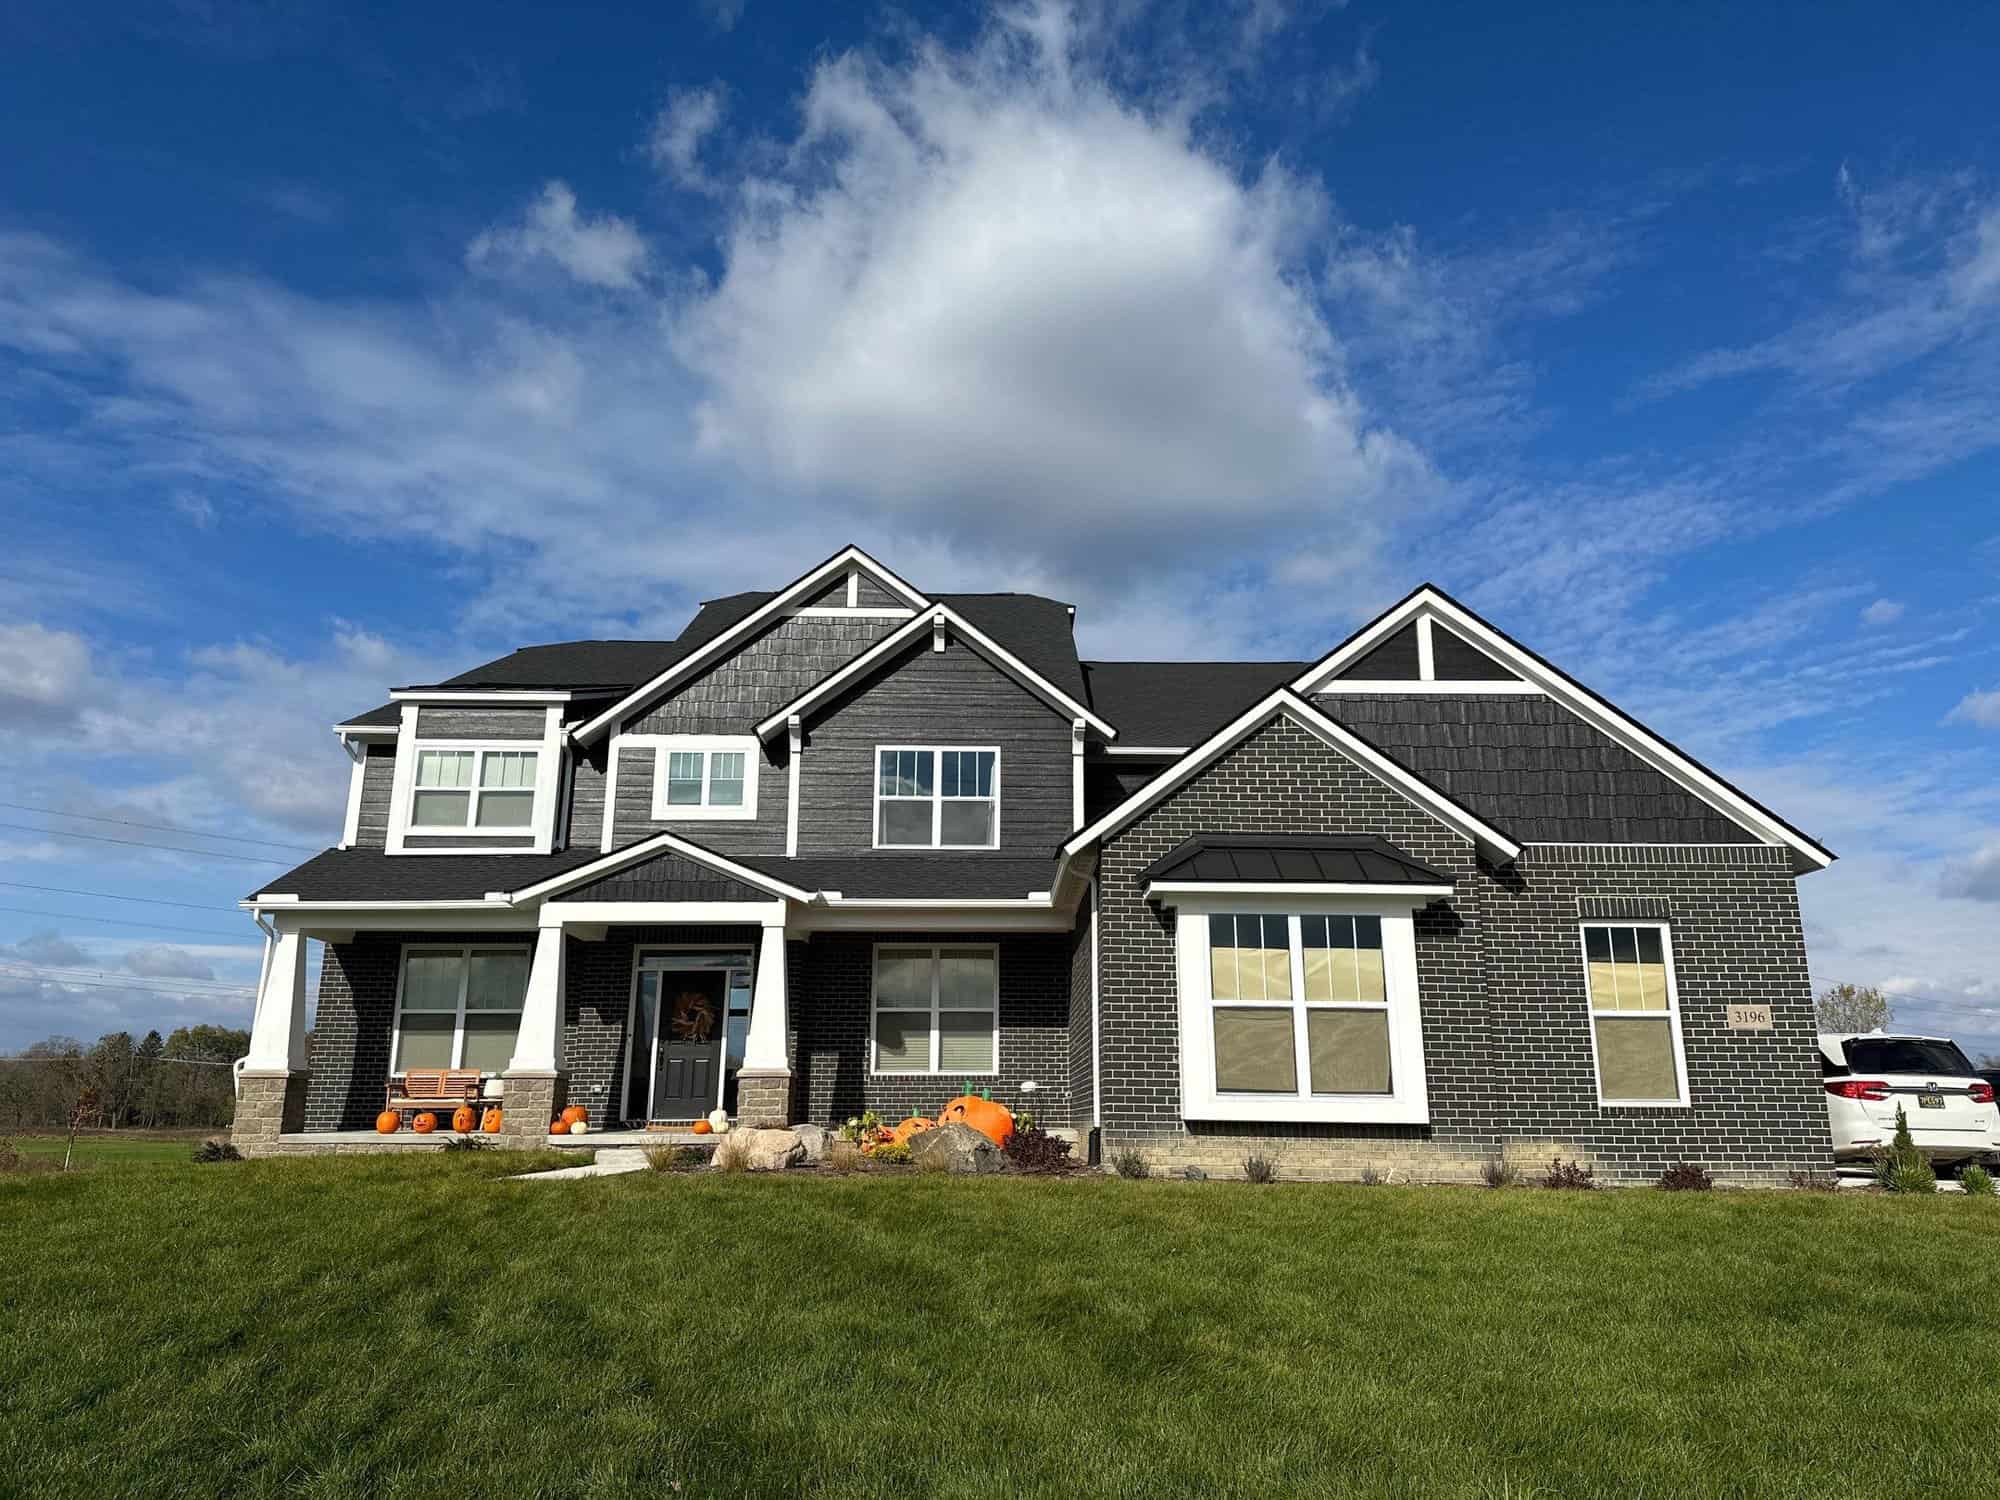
(1930, 1101)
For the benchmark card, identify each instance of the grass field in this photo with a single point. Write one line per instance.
(420, 1327)
(100, 1148)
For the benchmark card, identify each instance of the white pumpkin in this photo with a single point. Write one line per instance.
(718, 1121)
(580, 1127)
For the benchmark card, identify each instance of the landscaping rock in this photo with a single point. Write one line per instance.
(1194, 1174)
(813, 1138)
(955, 1148)
(770, 1150)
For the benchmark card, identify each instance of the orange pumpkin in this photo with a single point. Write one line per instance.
(388, 1122)
(914, 1125)
(490, 1122)
(702, 1127)
(994, 1121)
(576, 1112)
(424, 1123)
(464, 1118)
(558, 1126)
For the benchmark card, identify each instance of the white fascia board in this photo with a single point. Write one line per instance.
(1036, 902)
(1294, 888)
(572, 914)
(1494, 688)
(1161, 752)
(1495, 844)
(480, 695)
(659, 843)
(896, 640)
(367, 731)
(1586, 705)
(778, 604)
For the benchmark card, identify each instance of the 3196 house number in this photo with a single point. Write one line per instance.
(1749, 1018)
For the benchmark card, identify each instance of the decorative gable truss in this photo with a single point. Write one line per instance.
(1430, 643)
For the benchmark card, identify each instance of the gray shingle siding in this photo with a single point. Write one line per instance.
(378, 780)
(1106, 783)
(949, 698)
(1455, 659)
(764, 834)
(481, 723)
(869, 594)
(1532, 768)
(461, 842)
(665, 877)
(761, 676)
(1393, 660)
(586, 804)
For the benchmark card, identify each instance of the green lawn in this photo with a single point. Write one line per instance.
(101, 1148)
(418, 1327)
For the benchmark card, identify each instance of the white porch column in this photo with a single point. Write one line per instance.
(539, 1045)
(764, 1082)
(278, 1034)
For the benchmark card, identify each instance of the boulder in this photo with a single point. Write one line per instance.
(955, 1148)
(770, 1150)
(813, 1139)
(1194, 1174)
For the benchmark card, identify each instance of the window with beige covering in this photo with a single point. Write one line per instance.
(1634, 1018)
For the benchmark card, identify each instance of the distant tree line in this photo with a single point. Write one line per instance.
(181, 1081)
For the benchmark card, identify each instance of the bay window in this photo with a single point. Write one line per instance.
(459, 1007)
(1635, 1026)
(475, 790)
(936, 1009)
(937, 798)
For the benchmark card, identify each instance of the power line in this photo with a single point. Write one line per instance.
(228, 838)
(63, 890)
(139, 987)
(60, 974)
(99, 838)
(71, 916)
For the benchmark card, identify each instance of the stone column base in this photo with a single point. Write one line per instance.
(764, 1096)
(267, 1105)
(530, 1101)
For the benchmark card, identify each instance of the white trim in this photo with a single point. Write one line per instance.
(357, 774)
(1160, 751)
(776, 605)
(642, 956)
(1289, 888)
(1491, 841)
(549, 799)
(480, 695)
(936, 951)
(582, 914)
(1076, 728)
(1041, 902)
(1474, 688)
(1672, 1016)
(1407, 1103)
(659, 843)
(365, 731)
(1426, 650)
(1580, 700)
(401, 779)
(937, 798)
(464, 951)
(853, 589)
(936, 618)
(707, 746)
(605, 839)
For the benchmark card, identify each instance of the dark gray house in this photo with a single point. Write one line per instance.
(1423, 902)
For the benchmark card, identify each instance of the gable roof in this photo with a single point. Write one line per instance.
(1427, 600)
(1291, 859)
(1491, 842)
(1172, 704)
(900, 639)
(601, 865)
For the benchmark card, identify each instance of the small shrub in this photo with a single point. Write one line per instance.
(1024, 1120)
(733, 1154)
(466, 1143)
(1498, 1172)
(1816, 1182)
(1259, 1169)
(1976, 1181)
(1370, 1177)
(1903, 1168)
(845, 1156)
(209, 1151)
(861, 1127)
(1569, 1176)
(9, 1157)
(890, 1152)
(676, 1158)
(1130, 1165)
(1686, 1177)
(1032, 1149)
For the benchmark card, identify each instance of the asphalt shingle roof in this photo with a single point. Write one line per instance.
(1179, 703)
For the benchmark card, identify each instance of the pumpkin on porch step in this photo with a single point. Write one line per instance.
(702, 1127)
(424, 1123)
(463, 1118)
(994, 1121)
(388, 1122)
(490, 1122)
(576, 1113)
(558, 1126)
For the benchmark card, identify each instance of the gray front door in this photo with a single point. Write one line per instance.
(686, 1080)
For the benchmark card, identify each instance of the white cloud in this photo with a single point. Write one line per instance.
(48, 948)
(603, 252)
(197, 509)
(1982, 709)
(681, 129)
(1882, 612)
(168, 961)
(44, 675)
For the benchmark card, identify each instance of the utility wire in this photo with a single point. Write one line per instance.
(63, 890)
(228, 838)
(75, 916)
(99, 838)
(64, 975)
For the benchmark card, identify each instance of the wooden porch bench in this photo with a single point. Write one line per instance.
(435, 1088)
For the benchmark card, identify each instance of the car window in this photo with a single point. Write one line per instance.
(1828, 1068)
(1903, 1054)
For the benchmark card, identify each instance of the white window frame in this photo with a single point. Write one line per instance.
(935, 950)
(1672, 1015)
(1407, 1103)
(465, 952)
(665, 746)
(937, 797)
(478, 750)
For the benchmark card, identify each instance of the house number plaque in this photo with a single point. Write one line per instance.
(1749, 1018)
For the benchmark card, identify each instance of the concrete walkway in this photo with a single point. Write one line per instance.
(610, 1163)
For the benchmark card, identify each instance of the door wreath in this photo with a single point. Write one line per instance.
(694, 1017)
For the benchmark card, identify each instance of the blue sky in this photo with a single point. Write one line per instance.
(346, 347)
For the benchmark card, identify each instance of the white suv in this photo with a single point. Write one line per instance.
(1949, 1107)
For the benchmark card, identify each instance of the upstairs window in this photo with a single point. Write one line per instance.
(474, 790)
(936, 798)
(706, 777)
(1635, 1024)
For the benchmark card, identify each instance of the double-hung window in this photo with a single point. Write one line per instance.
(936, 1009)
(700, 776)
(459, 1007)
(1635, 1025)
(937, 798)
(477, 790)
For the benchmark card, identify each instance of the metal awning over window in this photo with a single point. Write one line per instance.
(1257, 862)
